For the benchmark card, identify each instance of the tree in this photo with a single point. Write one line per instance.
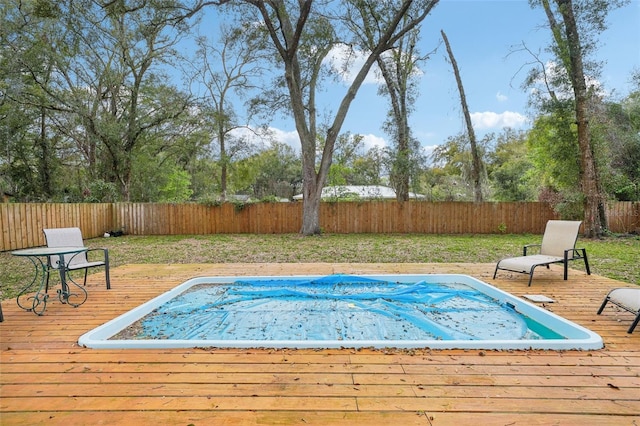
(509, 168)
(572, 26)
(399, 68)
(455, 159)
(104, 90)
(475, 155)
(274, 172)
(615, 128)
(302, 34)
(368, 169)
(26, 122)
(225, 71)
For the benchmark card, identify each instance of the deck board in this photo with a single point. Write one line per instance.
(47, 378)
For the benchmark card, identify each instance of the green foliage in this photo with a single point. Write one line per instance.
(509, 168)
(238, 206)
(438, 185)
(554, 151)
(270, 199)
(351, 165)
(275, 171)
(100, 191)
(617, 127)
(210, 201)
(177, 189)
(455, 161)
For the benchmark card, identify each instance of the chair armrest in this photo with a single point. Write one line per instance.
(575, 253)
(525, 248)
(104, 251)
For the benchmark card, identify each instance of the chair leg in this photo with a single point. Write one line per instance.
(106, 269)
(586, 261)
(86, 270)
(604, 303)
(633, 325)
(531, 275)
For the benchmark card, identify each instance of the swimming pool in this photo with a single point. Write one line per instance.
(401, 311)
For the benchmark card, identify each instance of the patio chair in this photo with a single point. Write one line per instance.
(627, 299)
(72, 237)
(558, 246)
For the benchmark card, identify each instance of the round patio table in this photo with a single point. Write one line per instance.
(39, 256)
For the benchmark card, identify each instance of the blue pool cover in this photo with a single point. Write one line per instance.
(336, 307)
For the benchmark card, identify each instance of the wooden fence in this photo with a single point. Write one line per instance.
(21, 224)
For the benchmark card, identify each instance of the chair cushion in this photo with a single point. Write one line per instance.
(525, 264)
(627, 297)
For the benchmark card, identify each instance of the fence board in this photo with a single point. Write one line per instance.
(21, 223)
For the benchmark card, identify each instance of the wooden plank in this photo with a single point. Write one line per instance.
(305, 389)
(218, 417)
(5, 221)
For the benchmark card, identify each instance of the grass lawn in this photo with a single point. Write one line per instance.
(613, 257)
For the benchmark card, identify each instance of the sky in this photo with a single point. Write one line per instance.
(484, 37)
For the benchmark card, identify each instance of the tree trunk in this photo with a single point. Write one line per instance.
(223, 162)
(44, 169)
(311, 215)
(589, 181)
(475, 155)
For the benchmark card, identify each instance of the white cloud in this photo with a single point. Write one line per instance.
(372, 140)
(290, 137)
(501, 98)
(489, 119)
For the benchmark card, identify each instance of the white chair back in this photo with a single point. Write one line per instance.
(66, 237)
(559, 235)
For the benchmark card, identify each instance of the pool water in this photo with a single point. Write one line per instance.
(437, 311)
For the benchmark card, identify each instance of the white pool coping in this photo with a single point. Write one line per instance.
(576, 336)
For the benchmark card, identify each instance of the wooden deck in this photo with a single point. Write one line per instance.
(46, 378)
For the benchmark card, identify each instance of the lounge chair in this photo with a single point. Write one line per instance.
(627, 299)
(72, 237)
(558, 246)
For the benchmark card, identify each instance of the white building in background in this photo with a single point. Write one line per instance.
(365, 192)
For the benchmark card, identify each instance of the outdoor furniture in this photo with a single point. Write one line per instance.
(627, 299)
(558, 246)
(37, 302)
(60, 237)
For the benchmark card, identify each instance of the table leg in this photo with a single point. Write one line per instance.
(39, 302)
(64, 294)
